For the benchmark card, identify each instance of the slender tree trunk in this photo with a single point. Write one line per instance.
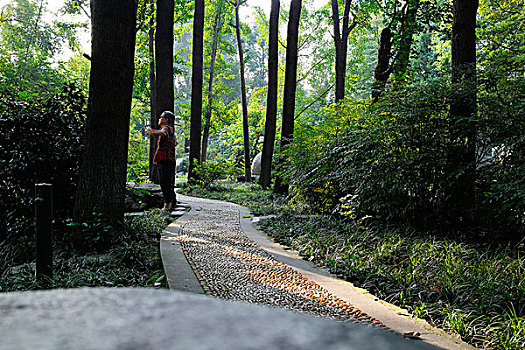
(271, 101)
(196, 89)
(245, 131)
(462, 151)
(164, 56)
(153, 174)
(341, 46)
(290, 86)
(383, 68)
(408, 29)
(217, 27)
(102, 180)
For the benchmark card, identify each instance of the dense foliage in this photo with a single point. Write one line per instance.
(367, 165)
(389, 160)
(29, 45)
(41, 143)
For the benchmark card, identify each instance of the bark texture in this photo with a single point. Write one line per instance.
(217, 27)
(271, 100)
(290, 85)
(196, 88)
(245, 131)
(341, 45)
(164, 56)
(383, 69)
(153, 174)
(406, 35)
(102, 181)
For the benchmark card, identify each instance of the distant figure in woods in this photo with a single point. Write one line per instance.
(165, 157)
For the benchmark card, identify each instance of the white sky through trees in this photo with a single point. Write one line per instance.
(246, 14)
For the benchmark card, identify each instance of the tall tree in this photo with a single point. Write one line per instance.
(164, 56)
(216, 30)
(383, 68)
(341, 44)
(290, 84)
(244, 102)
(196, 88)
(462, 152)
(102, 181)
(153, 174)
(406, 38)
(399, 33)
(271, 101)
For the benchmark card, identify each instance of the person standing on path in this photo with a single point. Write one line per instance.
(165, 157)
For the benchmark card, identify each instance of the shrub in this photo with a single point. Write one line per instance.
(390, 158)
(209, 172)
(41, 142)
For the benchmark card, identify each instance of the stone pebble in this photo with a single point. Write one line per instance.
(230, 266)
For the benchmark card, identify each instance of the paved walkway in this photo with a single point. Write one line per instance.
(215, 249)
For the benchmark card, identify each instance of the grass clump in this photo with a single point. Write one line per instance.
(95, 254)
(473, 290)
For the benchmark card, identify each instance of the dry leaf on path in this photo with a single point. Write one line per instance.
(413, 335)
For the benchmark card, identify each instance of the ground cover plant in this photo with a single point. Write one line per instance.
(474, 290)
(124, 256)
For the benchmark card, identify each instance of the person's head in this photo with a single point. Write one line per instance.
(166, 118)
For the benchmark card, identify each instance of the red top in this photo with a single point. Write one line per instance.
(166, 146)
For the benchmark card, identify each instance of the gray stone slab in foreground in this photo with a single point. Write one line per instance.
(127, 318)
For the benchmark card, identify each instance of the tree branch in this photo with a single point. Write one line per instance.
(314, 101)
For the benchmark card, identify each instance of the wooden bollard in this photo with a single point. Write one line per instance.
(44, 231)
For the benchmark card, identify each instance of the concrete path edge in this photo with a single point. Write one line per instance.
(179, 273)
(180, 276)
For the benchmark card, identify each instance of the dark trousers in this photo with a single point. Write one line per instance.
(167, 180)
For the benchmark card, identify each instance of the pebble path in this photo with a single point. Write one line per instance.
(231, 266)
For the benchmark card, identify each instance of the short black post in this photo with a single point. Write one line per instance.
(44, 231)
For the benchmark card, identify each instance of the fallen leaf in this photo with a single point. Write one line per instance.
(413, 335)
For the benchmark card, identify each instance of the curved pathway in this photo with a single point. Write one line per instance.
(215, 249)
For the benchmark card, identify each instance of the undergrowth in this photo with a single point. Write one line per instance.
(474, 290)
(127, 256)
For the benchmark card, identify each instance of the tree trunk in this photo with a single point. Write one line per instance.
(164, 56)
(407, 31)
(217, 27)
(271, 100)
(245, 131)
(383, 69)
(341, 46)
(153, 174)
(196, 89)
(290, 85)
(462, 149)
(102, 180)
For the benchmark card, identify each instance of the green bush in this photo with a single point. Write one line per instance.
(501, 181)
(209, 172)
(389, 159)
(138, 154)
(41, 142)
